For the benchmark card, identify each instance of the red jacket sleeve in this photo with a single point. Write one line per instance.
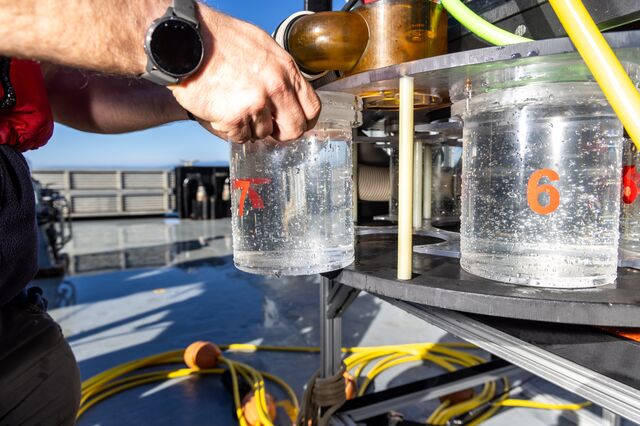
(29, 124)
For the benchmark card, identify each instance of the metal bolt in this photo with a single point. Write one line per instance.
(521, 30)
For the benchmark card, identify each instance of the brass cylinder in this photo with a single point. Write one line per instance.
(402, 31)
(377, 34)
(328, 41)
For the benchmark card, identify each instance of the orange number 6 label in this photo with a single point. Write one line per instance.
(534, 189)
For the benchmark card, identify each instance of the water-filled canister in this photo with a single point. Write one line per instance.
(630, 216)
(446, 180)
(541, 176)
(445, 168)
(292, 201)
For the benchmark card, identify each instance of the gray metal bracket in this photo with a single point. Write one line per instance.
(381, 402)
(609, 393)
(339, 299)
(335, 298)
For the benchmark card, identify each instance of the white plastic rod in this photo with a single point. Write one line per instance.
(417, 184)
(428, 175)
(405, 173)
(356, 182)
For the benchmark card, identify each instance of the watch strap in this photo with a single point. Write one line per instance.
(158, 77)
(186, 9)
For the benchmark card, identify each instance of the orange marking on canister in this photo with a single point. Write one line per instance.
(629, 184)
(245, 185)
(534, 189)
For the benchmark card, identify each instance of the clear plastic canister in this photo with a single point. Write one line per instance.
(630, 217)
(445, 167)
(541, 177)
(292, 201)
(446, 182)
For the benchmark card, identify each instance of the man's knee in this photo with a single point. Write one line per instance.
(39, 378)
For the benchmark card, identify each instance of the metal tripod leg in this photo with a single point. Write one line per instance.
(334, 300)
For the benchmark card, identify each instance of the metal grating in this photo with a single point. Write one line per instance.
(144, 203)
(144, 180)
(113, 192)
(96, 204)
(51, 179)
(94, 180)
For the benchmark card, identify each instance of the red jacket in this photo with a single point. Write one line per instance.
(28, 124)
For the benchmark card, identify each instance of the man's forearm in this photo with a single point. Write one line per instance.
(104, 35)
(108, 104)
(247, 87)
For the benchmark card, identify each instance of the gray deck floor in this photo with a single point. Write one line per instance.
(139, 287)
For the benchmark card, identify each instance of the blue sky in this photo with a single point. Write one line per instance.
(166, 145)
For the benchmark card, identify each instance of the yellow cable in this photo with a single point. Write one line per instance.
(291, 411)
(257, 381)
(542, 405)
(360, 361)
(244, 347)
(383, 366)
(494, 409)
(164, 374)
(465, 406)
(362, 364)
(438, 411)
(447, 356)
(602, 62)
(138, 381)
(293, 398)
(446, 411)
(128, 367)
(258, 387)
(236, 392)
(107, 394)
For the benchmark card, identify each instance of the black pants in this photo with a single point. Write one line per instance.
(39, 379)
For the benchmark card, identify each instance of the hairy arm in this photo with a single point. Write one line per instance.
(247, 87)
(103, 35)
(108, 104)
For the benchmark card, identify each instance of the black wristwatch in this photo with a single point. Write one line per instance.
(174, 45)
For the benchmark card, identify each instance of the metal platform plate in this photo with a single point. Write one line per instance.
(595, 365)
(440, 282)
(436, 75)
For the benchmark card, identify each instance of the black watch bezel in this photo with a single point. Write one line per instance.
(152, 55)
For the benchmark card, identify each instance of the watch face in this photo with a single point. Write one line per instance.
(176, 47)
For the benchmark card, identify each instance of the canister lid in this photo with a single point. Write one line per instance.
(538, 71)
(343, 109)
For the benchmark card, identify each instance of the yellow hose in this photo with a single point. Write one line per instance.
(542, 405)
(602, 62)
(375, 360)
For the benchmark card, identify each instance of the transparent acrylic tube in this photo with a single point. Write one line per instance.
(630, 217)
(292, 202)
(541, 182)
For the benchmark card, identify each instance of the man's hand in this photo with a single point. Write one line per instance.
(248, 88)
